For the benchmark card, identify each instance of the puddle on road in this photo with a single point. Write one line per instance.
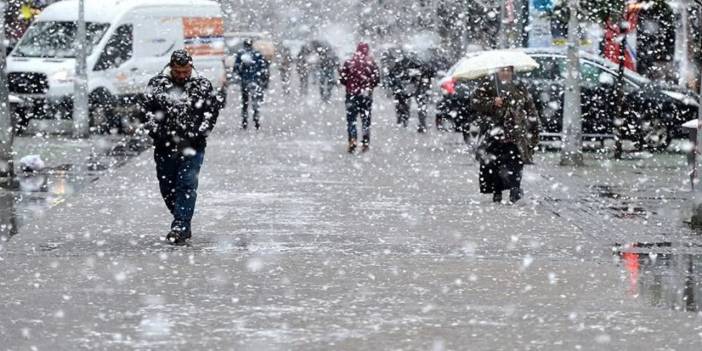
(663, 274)
(37, 192)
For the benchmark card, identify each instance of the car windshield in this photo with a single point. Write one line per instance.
(53, 39)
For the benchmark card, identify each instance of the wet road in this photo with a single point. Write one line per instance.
(298, 245)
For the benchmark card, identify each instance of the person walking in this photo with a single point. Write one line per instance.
(182, 109)
(410, 78)
(253, 71)
(360, 75)
(302, 65)
(285, 61)
(508, 123)
(327, 66)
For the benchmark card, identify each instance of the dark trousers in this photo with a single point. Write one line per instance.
(178, 179)
(359, 105)
(402, 109)
(251, 94)
(501, 167)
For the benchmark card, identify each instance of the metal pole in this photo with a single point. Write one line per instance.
(571, 152)
(681, 43)
(7, 133)
(81, 122)
(502, 37)
(696, 219)
(618, 135)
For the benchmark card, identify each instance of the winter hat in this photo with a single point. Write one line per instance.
(181, 57)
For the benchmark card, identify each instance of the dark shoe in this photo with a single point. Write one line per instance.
(244, 125)
(257, 125)
(352, 146)
(176, 237)
(422, 130)
(365, 148)
(515, 194)
(497, 197)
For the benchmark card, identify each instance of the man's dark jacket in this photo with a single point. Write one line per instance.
(180, 117)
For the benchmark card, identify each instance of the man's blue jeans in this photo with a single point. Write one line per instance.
(177, 178)
(359, 105)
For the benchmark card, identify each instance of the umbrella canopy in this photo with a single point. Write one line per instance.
(488, 62)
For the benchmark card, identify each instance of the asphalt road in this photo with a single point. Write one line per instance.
(299, 245)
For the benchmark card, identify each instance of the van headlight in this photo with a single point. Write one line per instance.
(62, 77)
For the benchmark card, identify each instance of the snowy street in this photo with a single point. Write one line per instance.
(299, 245)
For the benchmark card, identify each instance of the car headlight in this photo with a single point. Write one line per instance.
(685, 99)
(62, 76)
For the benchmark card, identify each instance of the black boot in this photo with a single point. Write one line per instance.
(515, 194)
(177, 237)
(497, 196)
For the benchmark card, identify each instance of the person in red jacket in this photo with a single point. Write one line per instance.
(360, 75)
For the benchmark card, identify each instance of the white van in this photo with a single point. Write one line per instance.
(129, 41)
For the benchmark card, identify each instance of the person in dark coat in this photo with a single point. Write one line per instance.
(360, 75)
(253, 71)
(302, 65)
(507, 123)
(181, 108)
(410, 78)
(327, 66)
(285, 62)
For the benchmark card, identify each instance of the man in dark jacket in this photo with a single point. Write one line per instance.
(253, 71)
(182, 108)
(327, 67)
(360, 75)
(409, 77)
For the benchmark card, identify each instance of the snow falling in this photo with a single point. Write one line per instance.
(350, 175)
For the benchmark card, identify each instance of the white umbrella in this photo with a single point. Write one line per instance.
(489, 62)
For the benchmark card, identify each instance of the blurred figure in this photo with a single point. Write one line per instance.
(510, 131)
(327, 65)
(303, 68)
(360, 75)
(410, 78)
(253, 71)
(285, 62)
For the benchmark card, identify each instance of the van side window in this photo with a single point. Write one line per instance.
(118, 50)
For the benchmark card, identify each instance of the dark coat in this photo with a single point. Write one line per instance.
(360, 74)
(518, 117)
(180, 117)
(507, 133)
(407, 75)
(500, 166)
(252, 67)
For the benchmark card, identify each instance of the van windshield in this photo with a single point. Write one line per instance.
(53, 39)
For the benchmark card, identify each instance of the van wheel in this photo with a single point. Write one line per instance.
(102, 115)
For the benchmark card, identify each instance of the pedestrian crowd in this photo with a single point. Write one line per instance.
(182, 108)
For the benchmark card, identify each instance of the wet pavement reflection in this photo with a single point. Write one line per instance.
(35, 192)
(663, 274)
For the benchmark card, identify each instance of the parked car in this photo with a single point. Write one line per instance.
(652, 111)
(128, 42)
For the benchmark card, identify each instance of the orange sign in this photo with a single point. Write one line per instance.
(204, 36)
(203, 27)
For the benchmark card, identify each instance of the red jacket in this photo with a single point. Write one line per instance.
(360, 74)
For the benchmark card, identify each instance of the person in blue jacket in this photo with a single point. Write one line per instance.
(253, 71)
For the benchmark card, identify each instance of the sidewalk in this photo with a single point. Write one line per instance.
(70, 165)
(298, 245)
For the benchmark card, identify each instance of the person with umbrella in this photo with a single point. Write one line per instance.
(508, 125)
